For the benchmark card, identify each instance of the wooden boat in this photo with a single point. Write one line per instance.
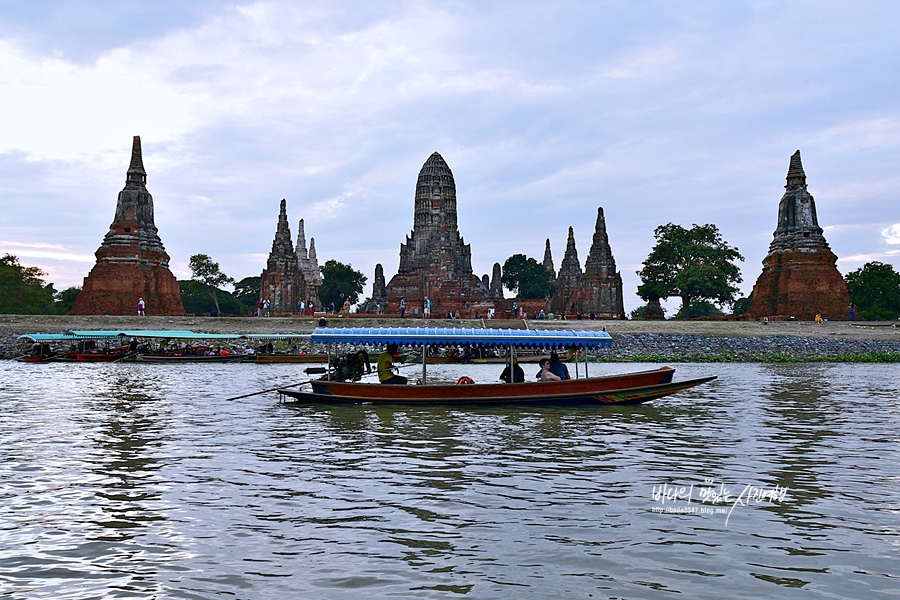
(95, 356)
(186, 358)
(629, 388)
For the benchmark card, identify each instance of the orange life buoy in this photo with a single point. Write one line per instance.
(464, 380)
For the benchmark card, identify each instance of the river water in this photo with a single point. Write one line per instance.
(142, 481)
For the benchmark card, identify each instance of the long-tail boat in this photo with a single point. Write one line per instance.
(629, 388)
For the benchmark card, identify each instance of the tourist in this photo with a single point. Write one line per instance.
(402, 307)
(546, 374)
(426, 308)
(386, 367)
(852, 311)
(557, 367)
(518, 374)
(141, 307)
(302, 307)
(259, 306)
(266, 306)
(542, 314)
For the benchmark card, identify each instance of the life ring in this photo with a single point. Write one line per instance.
(464, 380)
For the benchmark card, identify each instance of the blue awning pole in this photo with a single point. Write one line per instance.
(575, 350)
(585, 363)
(424, 361)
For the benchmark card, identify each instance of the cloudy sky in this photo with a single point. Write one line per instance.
(683, 112)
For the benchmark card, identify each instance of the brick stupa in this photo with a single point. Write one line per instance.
(131, 262)
(799, 277)
(435, 261)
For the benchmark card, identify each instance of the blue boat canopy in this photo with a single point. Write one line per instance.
(164, 334)
(440, 336)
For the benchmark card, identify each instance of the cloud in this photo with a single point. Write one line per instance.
(891, 234)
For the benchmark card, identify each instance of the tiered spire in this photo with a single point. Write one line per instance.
(136, 173)
(548, 260)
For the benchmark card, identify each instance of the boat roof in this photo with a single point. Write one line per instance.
(163, 334)
(447, 336)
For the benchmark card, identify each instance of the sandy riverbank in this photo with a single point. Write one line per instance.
(633, 340)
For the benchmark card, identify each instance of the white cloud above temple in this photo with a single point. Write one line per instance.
(659, 112)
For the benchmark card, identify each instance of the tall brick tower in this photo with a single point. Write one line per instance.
(799, 277)
(131, 262)
(435, 261)
(602, 283)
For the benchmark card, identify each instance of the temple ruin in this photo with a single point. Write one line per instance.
(132, 263)
(799, 277)
(597, 289)
(435, 261)
(291, 275)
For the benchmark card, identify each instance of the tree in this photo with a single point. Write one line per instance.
(197, 301)
(65, 300)
(246, 291)
(22, 291)
(340, 281)
(207, 272)
(741, 305)
(694, 264)
(875, 289)
(701, 308)
(527, 278)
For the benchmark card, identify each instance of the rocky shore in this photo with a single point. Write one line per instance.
(646, 341)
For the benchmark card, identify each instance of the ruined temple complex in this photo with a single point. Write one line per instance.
(799, 277)
(435, 261)
(598, 289)
(292, 274)
(132, 263)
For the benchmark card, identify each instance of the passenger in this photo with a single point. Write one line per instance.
(546, 374)
(557, 367)
(386, 367)
(518, 373)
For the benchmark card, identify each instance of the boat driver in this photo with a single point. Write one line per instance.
(386, 366)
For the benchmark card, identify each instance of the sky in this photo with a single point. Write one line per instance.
(682, 112)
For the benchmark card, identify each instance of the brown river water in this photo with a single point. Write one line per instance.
(142, 481)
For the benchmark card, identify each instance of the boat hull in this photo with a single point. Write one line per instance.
(635, 387)
(171, 359)
(539, 397)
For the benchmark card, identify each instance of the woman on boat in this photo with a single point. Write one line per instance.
(546, 374)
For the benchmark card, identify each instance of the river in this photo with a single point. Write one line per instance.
(142, 481)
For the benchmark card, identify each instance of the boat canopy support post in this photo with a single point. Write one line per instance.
(424, 361)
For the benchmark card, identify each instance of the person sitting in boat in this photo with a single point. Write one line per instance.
(518, 373)
(386, 367)
(546, 374)
(557, 367)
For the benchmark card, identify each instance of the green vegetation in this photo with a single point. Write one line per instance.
(65, 300)
(206, 272)
(246, 291)
(638, 313)
(741, 305)
(875, 288)
(694, 264)
(197, 300)
(22, 291)
(527, 278)
(340, 281)
(700, 308)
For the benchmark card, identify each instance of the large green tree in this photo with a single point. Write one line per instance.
(340, 281)
(207, 273)
(22, 289)
(693, 264)
(197, 301)
(65, 300)
(875, 288)
(527, 278)
(247, 291)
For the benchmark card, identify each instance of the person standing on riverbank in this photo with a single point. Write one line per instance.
(140, 307)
